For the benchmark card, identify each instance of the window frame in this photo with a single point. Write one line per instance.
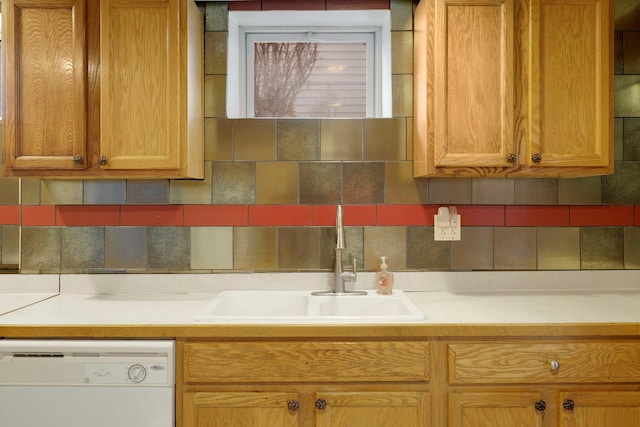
(322, 24)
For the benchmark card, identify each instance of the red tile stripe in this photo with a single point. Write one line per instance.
(316, 215)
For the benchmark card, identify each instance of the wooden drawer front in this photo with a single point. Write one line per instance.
(584, 362)
(250, 362)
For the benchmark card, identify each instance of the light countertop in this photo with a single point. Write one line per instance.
(448, 300)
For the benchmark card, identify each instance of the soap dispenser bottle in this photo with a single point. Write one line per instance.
(384, 278)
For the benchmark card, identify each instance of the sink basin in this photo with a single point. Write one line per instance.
(302, 307)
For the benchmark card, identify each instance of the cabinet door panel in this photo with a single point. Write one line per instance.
(570, 83)
(473, 103)
(619, 409)
(373, 409)
(259, 409)
(140, 103)
(45, 91)
(494, 410)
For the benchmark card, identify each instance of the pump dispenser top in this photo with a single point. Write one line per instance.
(384, 278)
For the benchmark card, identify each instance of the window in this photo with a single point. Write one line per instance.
(330, 64)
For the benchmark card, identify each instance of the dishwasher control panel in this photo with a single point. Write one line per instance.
(150, 372)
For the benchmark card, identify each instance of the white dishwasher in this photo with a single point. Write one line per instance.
(87, 383)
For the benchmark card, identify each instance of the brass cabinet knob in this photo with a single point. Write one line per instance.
(536, 158)
(321, 403)
(541, 405)
(78, 160)
(102, 160)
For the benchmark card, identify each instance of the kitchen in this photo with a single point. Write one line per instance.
(238, 220)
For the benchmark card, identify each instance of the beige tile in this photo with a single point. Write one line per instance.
(474, 251)
(627, 96)
(385, 139)
(30, 191)
(488, 191)
(254, 248)
(385, 241)
(211, 248)
(9, 191)
(401, 15)
(631, 54)
(277, 182)
(341, 139)
(514, 248)
(298, 248)
(449, 191)
(580, 191)
(401, 187)
(409, 138)
(218, 139)
(401, 52)
(298, 139)
(402, 92)
(192, 191)
(215, 52)
(59, 192)
(536, 191)
(10, 244)
(215, 88)
(558, 248)
(254, 139)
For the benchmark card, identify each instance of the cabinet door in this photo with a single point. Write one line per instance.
(372, 409)
(473, 83)
(139, 84)
(585, 409)
(570, 83)
(258, 409)
(495, 409)
(44, 125)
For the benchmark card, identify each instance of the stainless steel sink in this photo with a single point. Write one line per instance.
(302, 307)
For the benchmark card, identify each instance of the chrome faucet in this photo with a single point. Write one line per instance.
(339, 276)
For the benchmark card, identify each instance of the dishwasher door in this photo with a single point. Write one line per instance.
(69, 383)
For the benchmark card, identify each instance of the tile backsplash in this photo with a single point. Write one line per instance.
(268, 199)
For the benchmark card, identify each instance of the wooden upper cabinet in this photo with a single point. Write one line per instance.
(513, 88)
(44, 125)
(473, 83)
(114, 88)
(570, 84)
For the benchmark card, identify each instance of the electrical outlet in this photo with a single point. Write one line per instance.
(446, 225)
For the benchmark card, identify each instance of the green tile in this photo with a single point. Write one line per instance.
(602, 248)
(623, 187)
(9, 191)
(514, 248)
(632, 248)
(192, 191)
(30, 191)
(627, 96)
(320, 183)
(60, 192)
(580, 191)
(233, 182)
(536, 191)
(125, 247)
(216, 16)
(148, 192)
(169, 248)
(10, 244)
(385, 241)
(423, 252)
(82, 248)
(449, 191)
(41, 249)
(298, 139)
(618, 55)
(491, 191)
(631, 139)
(363, 182)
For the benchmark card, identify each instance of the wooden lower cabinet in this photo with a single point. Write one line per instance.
(304, 384)
(541, 383)
(290, 409)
